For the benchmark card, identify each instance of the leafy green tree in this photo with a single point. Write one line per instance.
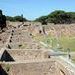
(58, 17)
(16, 18)
(19, 18)
(72, 16)
(54, 17)
(42, 19)
(9, 18)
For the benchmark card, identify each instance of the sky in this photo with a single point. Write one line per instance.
(32, 9)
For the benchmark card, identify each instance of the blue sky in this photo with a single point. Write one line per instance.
(32, 9)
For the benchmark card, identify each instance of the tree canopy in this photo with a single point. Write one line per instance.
(42, 19)
(16, 18)
(58, 17)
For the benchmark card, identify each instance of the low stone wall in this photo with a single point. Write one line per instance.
(38, 67)
(50, 66)
(35, 67)
(22, 55)
(26, 23)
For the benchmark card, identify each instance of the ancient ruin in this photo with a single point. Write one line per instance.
(21, 54)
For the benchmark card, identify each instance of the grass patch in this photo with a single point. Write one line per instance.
(68, 42)
(64, 42)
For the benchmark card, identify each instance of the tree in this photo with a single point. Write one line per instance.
(2, 20)
(42, 19)
(16, 18)
(19, 18)
(65, 18)
(58, 17)
(72, 16)
(9, 18)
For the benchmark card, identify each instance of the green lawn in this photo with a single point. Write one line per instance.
(67, 42)
(64, 43)
(61, 43)
(73, 60)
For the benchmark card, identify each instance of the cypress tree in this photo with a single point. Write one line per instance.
(2, 20)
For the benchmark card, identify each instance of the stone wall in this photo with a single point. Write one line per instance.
(22, 55)
(35, 62)
(37, 68)
(65, 30)
(25, 23)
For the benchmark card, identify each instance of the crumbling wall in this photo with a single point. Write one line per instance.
(22, 55)
(34, 68)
